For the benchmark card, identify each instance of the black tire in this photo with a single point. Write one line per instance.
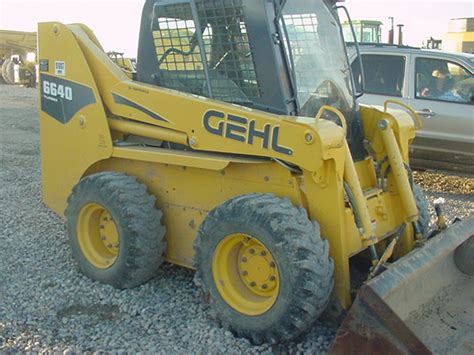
(302, 258)
(138, 223)
(8, 71)
(424, 214)
(3, 68)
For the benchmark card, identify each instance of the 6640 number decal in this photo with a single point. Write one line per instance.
(57, 90)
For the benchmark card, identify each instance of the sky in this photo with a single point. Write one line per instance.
(116, 22)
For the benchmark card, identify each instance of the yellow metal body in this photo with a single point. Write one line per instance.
(251, 284)
(399, 172)
(350, 176)
(188, 184)
(153, 132)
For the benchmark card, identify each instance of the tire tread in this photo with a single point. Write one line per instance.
(142, 221)
(311, 266)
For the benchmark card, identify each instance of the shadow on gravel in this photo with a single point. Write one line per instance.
(98, 311)
(28, 152)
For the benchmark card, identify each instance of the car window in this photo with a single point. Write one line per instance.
(438, 79)
(383, 74)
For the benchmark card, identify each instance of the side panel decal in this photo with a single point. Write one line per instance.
(62, 99)
(243, 130)
(123, 101)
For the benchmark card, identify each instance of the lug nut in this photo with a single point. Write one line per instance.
(272, 264)
(272, 278)
(251, 251)
(244, 259)
(264, 286)
(263, 253)
(253, 284)
(109, 245)
(102, 226)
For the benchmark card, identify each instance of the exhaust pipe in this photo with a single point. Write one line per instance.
(391, 32)
(400, 34)
(422, 304)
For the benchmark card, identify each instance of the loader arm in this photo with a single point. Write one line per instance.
(207, 124)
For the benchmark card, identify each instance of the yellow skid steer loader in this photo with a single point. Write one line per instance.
(240, 151)
(128, 65)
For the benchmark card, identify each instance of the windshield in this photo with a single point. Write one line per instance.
(317, 57)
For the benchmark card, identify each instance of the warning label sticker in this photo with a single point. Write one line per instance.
(60, 68)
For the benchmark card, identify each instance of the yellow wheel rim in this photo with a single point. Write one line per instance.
(98, 237)
(245, 274)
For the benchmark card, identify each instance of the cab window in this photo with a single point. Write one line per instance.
(224, 51)
(177, 49)
(441, 80)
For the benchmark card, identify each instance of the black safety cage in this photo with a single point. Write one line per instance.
(216, 48)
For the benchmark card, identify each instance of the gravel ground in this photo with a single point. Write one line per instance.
(456, 190)
(46, 304)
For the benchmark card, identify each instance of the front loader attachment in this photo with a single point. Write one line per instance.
(423, 303)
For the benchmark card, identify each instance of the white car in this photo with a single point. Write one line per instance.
(438, 85)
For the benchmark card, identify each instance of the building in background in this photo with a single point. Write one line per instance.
(18, 57)
(460, 36)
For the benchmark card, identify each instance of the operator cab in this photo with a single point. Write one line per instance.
(283, 57)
